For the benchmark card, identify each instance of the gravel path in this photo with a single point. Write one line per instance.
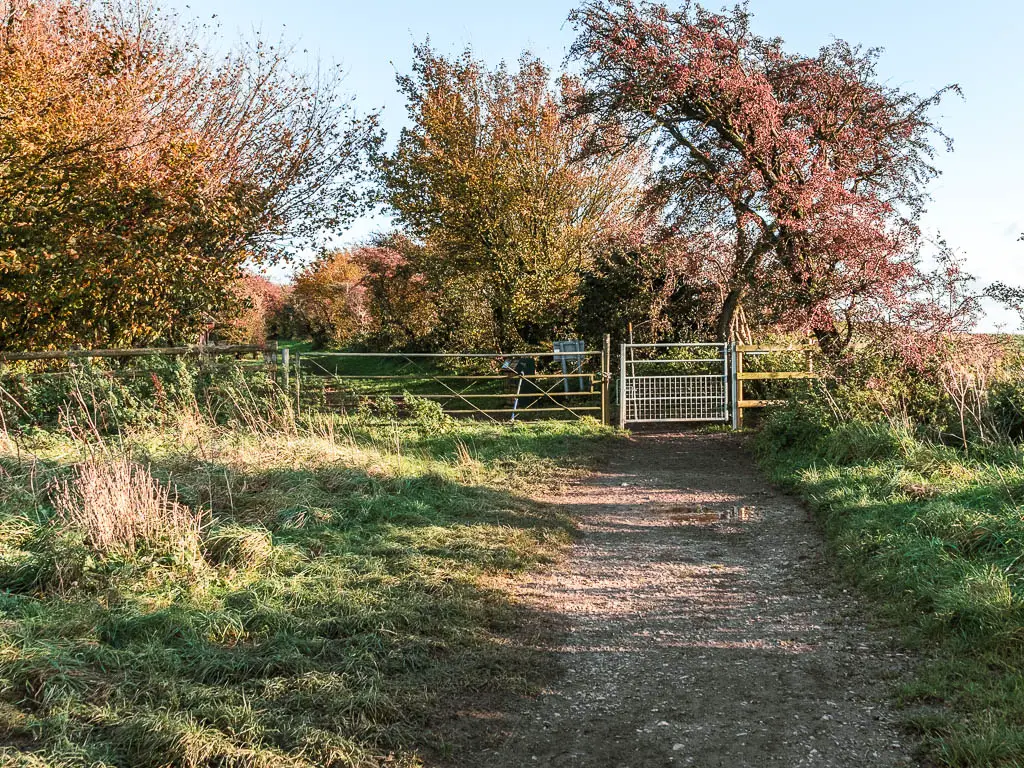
(702, 628)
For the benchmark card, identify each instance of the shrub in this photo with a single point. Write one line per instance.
(104, 395)
(403, 308)
(253, 313)
(800, 423)
(1006, 402)
(651, 281)
(98, 398)
(386, 408)
(328, 300)
(408, 409)
(426, 413)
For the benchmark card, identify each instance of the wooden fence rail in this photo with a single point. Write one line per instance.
(742, 404)
(71, 354)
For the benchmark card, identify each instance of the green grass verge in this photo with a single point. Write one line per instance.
(937, 537)
(347, 597)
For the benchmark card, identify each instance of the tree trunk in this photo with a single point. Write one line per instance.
(728, 312)
(501, 335)
(831, 341)
(746, 261)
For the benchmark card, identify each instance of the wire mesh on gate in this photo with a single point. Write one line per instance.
(676, 398)
(674, 382)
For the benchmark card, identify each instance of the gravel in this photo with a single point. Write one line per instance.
(702, 627)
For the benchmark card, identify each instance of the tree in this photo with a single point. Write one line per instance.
(254, 311)
(401, 304)
(328, 299)
(810, 167)
(665, 287)
(139, 172)
(488, 178)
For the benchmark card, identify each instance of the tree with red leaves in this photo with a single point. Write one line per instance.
(253, 312)
(809, 166)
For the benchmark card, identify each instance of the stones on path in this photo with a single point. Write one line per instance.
(716, 640)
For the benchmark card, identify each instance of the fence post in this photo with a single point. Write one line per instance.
(734, 381)
(285, 365)
(298, 382)
(606, 378)
(622, 386)
(739, 389)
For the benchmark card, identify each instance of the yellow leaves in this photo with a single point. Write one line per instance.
(10, 260)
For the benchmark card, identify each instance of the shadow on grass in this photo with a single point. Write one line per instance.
(378, 612)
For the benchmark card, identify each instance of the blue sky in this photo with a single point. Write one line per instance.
(978, 202)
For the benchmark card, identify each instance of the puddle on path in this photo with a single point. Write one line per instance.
(701, 515)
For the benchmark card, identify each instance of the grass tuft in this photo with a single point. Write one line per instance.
(118, 508)
(239, 546)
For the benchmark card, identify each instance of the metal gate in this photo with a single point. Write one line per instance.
(674, 382)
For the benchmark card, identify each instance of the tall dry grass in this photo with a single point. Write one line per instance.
(119, 507)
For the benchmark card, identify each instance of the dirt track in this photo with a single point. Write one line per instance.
(702, 628)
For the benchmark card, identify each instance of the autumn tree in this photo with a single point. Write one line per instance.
(811, 167)
(329, 301)
(402, 306)
(139, 172)
(252, 312)
(488, 178)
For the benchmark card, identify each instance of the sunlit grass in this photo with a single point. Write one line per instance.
(937, 537)
(347, 595)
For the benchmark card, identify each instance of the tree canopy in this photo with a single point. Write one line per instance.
(139, 171)
(694, 176)
(810, 166)
(489, 176)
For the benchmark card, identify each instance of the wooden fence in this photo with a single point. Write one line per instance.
(741, 354)
(267, 351)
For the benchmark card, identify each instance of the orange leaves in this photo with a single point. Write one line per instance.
(140, 171)
(329, 299)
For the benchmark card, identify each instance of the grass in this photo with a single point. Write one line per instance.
(937, 537)
(347, 596)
